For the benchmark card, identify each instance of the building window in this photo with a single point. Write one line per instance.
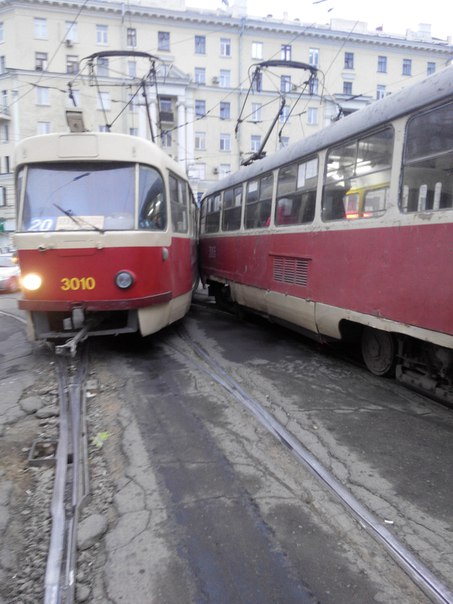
(256, 112)
(102, 65)
(166, 113)
(312, 116)
(132, 69)
(380, 91)
(225, 110)
(313, 56)
(133, 131)
(224, 170)
(285, 53)
(257, 50)
(71, 32)
(131, 39)
(166, 139)
(225, 47)
(43, 128)
(200, 45)
(200, 141)
(72, 64)
(132, 102)
(284, 114)
(407, 67)
(285, 83)
(430, 68)
(200, 75)
(2, 196)
(5, 101)
(225, 142)
(349, 60)
(101, 34)
(4, 133)
(255, 143)
(225, 78)
(40, 61)
(2, 64)
(313, 86)
(382, 64)
(42, 95)
(165, 104)
(284, 141)
(257, 82)
(40, 27)
(103, 101)
(200, 108)
(347, 88)
(198, 172)
(74, 98)
(163, 40)
(2, 32)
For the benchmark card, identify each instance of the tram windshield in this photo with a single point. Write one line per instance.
(86, 196)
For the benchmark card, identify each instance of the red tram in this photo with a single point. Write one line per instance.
(106, 236)
(348, 235)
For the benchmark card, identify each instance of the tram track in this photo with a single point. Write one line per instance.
(432, 586)
(71, 482)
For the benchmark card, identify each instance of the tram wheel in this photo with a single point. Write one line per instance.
(378, 351)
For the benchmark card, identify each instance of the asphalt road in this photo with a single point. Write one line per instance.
(204, 505)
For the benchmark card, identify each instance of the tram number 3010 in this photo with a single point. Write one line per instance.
(74, 283)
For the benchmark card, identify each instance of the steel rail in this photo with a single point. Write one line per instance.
(433, 587)
(71, 480)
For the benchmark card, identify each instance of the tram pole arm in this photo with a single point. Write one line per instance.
(260, 153)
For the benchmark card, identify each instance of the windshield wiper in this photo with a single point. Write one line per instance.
(78, 220)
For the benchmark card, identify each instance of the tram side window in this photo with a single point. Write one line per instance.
(428, 157)
(178, 204)
(296, 193)
(258, 202)
(357, 177)
(232, 209)
(152, 206)
(211, 209)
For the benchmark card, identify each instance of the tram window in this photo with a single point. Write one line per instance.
(258, 202)
(428, 156)
(232, 209)
(79, 196)
(356, 179)
(211, 207)
(152, 207)
(296, 193)
(375, 201)
(178, 204)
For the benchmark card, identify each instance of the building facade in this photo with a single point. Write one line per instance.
(204, 95)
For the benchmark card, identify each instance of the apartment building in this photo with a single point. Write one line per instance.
(202, 95)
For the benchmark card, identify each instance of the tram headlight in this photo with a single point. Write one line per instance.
(31, 282)
(124, 279)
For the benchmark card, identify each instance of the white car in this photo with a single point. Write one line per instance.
(9, 274)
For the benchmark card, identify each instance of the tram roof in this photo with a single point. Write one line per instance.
(431, 90)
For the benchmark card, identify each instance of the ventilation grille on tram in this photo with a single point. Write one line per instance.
(291, 270)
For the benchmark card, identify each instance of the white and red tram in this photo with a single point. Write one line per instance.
(348, 235)
(106, 235)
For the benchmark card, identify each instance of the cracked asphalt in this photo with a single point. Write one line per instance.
(202, 505)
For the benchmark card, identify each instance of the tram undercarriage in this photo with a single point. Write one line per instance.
(426, 368)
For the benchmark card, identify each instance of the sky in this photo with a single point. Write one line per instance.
(396, 16)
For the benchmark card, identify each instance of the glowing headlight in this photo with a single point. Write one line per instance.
(124, 279)
(32, 282)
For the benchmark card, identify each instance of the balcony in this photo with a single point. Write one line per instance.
(167, 117)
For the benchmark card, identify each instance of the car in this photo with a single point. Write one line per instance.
(9, 274)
